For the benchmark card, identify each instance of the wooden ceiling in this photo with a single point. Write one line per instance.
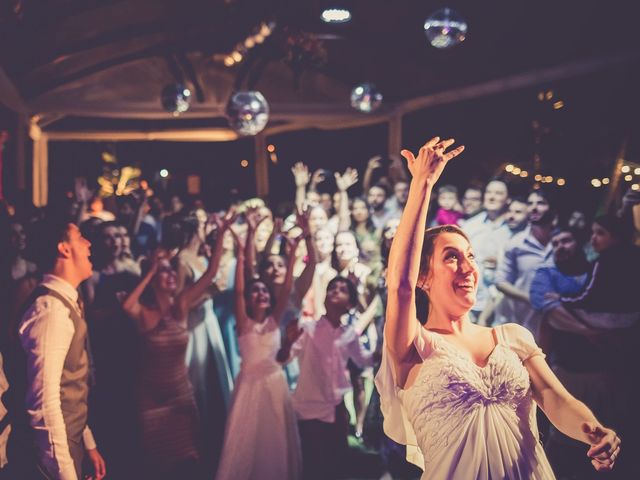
(69, 60)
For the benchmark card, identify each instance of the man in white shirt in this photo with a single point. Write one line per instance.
(488, 233)
(53, 328)
(324, 348)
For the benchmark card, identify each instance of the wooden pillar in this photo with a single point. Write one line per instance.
(615, 177)
(397, 170)
(262, 166)
(40, 165)
(21, 143)
(395, 135)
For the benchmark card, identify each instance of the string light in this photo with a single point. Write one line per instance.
(596, 182)
(244, 163)
(625, 169)
(538, 177)
(560, 182)
(635, 187)
(605, 181)
(509, 168)
(628, 178)
(271, 148)
(240, 51)
(516, 171)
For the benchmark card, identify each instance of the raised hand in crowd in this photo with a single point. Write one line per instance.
(345, 181)
(319, 176)
(254, 219)
(301, 178)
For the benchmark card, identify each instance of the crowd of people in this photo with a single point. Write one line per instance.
(146, 336)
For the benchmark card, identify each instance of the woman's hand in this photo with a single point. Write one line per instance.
(431, 159)
(240, 242)
(160, 254)
(605, 446)
(254, 219)
(223, 223)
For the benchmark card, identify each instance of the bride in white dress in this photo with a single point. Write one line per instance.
(261, 436)
(463, 397)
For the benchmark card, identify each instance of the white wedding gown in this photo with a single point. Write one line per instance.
(463, 421)
(261, 437)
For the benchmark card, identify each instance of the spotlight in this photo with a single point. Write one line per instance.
(336, 15)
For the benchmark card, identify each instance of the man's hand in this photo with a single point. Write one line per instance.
(99, 467)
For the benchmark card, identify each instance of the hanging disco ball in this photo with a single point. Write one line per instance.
(247, 112)
(366, 97)
(176, 98)
(445, 28)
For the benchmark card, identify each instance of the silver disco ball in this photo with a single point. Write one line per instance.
(247, 112)
(445, 28)
(366, 97)
(176, 98)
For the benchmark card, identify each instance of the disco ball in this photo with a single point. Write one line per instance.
(176, 98)
(247, 112)
(366, 97)
(445, 28)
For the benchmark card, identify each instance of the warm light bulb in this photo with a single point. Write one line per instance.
(336, 15)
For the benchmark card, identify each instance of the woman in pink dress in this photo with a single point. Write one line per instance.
(463, 397)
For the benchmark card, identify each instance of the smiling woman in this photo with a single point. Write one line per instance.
(461, 396)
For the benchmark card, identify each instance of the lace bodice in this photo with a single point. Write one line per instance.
(470, 421)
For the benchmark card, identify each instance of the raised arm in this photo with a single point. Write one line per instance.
(404, 258)
(304, 281)
(374, 163)
(277, 230)
(132, 305)
(239, 286)
(301, 177)
(344, 182)
(190, 294)
(253, 222)
(285, 292)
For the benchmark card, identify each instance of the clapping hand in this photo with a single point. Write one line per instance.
(605, 446)
(431, 159)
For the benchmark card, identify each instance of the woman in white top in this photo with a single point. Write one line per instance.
(461, 396)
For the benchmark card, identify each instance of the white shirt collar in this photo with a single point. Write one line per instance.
(61, 286)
